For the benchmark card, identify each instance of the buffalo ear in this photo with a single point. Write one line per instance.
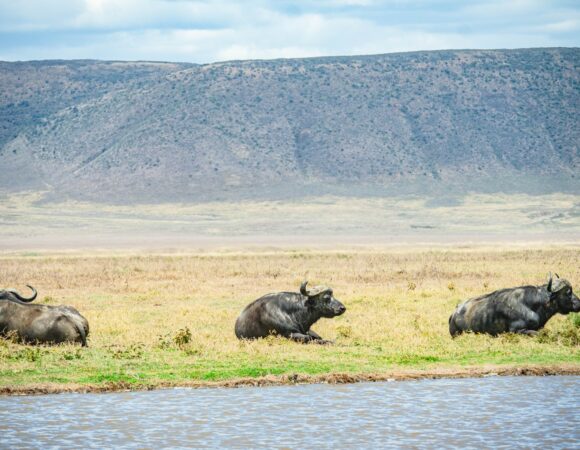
(550, 282)
(310, 301)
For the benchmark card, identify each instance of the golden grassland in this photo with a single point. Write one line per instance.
(160, 320)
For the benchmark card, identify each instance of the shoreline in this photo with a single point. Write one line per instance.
(298, 379)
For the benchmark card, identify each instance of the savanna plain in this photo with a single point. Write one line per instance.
(161, 320)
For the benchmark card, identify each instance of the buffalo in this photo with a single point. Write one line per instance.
(34, 323)
(523, 309)
(289, 314)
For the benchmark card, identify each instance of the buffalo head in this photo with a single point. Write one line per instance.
(320, 299)
(561, 295)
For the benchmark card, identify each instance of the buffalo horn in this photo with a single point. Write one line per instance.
(24, 299)
(303, 288)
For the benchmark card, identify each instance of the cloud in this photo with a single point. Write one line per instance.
(560, 27)
(212, 30)
(116, 15)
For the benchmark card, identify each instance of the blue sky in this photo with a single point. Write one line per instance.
(204, 31)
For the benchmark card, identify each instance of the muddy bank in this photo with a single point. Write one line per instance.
(289, 379)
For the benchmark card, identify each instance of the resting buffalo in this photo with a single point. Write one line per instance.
(523, 309)
(288, 314)
(40, 323)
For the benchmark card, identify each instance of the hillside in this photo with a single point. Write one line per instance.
(412, 122)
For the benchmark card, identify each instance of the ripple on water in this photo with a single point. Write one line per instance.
(498, 412)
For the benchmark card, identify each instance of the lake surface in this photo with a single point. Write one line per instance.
(496, 412)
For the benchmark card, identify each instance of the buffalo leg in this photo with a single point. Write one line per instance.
(308, 337)
(522, 319)
(300, 337)
(528, 332)
(317, 338)
(523, 326)
(313, 334)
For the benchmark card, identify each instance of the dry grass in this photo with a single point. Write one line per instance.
(160, 318)
(28, 222)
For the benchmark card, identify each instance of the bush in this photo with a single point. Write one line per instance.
(181, 338)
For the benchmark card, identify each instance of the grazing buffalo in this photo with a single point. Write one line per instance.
(523, 309)
(288, 314)
(40, 323)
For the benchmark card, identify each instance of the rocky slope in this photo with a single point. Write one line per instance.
(139, 132)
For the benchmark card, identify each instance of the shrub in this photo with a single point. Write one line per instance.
(182, 337)
(178, 340)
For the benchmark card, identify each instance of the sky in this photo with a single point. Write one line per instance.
(204, 31)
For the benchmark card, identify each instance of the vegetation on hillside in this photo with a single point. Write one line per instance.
(493, 119)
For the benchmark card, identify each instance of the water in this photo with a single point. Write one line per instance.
(496, 412)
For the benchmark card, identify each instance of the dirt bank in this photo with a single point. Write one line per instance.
(290, 379)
